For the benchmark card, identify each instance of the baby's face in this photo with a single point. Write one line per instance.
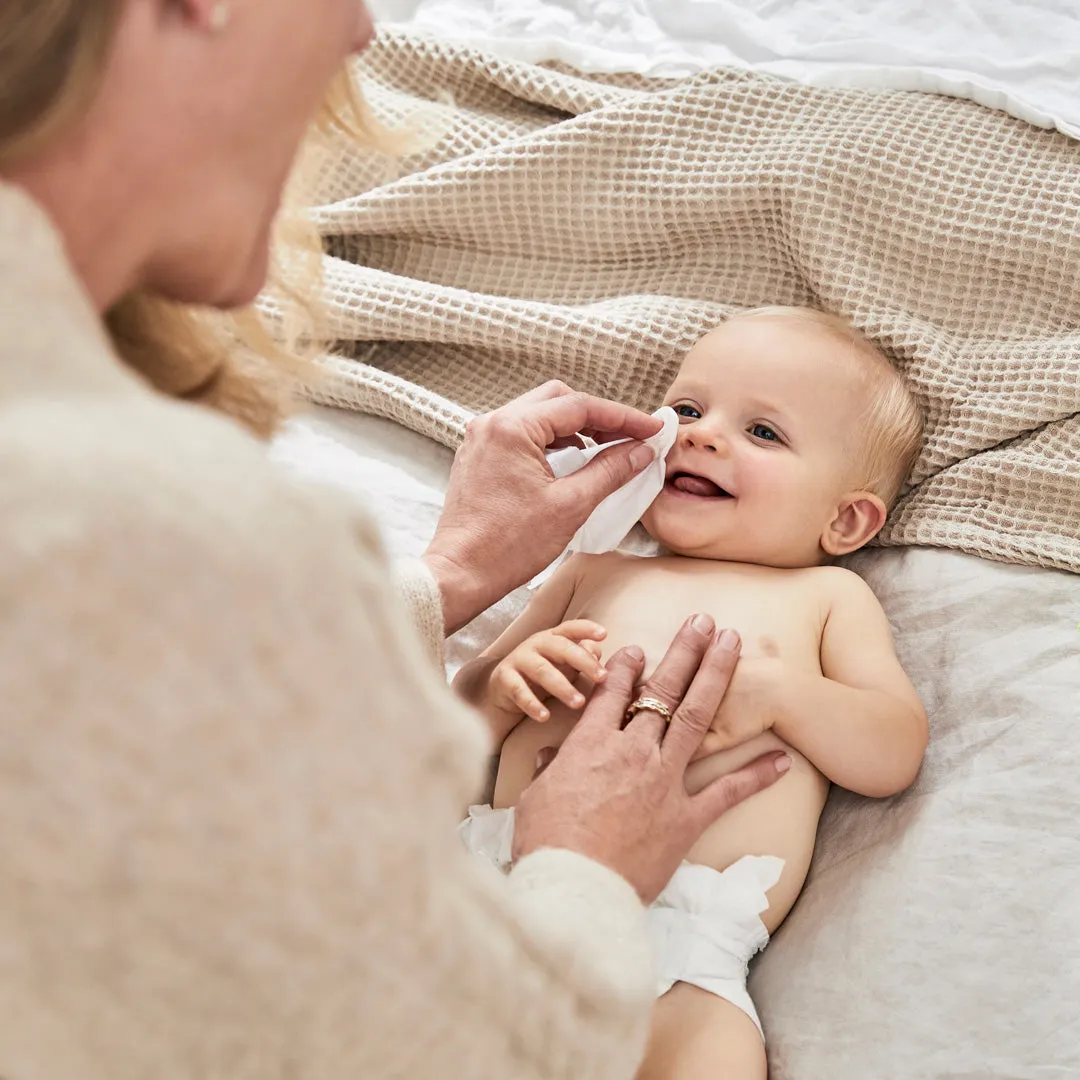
(768, 414)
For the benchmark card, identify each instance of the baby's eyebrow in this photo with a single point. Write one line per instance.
(772, 408)
(690, 386)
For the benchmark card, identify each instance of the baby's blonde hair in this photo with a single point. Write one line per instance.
(890, 436)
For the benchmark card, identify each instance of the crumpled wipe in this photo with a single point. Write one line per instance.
(609, 523)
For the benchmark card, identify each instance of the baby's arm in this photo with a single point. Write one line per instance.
(860, 722)
(546, 610)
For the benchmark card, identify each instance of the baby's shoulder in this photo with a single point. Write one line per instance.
(837, 585)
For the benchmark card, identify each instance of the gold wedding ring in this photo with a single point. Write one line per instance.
(649, 704)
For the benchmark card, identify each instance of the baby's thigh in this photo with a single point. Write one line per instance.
(699, 1036)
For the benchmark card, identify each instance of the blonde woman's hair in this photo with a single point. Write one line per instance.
(890, 436)
(52, 55)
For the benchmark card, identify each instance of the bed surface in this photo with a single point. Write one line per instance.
(939, 934)
(1018, 55)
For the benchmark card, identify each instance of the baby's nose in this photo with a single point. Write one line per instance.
(712, 442)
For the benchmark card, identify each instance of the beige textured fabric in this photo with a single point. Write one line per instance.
(418, 588)
(591, 230)
(229, 777)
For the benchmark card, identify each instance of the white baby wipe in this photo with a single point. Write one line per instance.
(609, 523)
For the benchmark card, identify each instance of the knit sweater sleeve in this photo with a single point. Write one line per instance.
(420, 591)
(229, 785)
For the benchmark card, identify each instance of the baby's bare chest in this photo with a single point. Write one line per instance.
(643, 602)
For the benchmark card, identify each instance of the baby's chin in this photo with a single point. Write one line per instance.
(678, 539)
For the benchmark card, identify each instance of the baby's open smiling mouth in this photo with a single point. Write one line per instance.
(691, 485)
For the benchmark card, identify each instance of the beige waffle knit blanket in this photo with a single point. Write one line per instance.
(591, 229)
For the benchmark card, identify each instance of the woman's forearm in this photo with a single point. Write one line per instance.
(462, 592)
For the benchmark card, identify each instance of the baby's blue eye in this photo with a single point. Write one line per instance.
(688, 412)
(764, 432)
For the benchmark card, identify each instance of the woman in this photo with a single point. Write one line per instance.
(229, 775)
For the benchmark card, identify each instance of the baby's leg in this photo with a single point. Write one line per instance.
(699, 1036)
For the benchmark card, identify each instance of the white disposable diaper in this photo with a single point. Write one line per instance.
(705, 926)
(609, 523)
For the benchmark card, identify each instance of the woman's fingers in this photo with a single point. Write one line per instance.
(702, 700)
(715, 800)
(605, 474)
(607, 706)
(567, 414)
(674, 674)
(505, 516)
(553, 388)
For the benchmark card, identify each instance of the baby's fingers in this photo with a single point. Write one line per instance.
(580, 658)
(543, 674)
(515, 692)
(580, 630)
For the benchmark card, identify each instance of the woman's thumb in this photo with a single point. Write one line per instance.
(607, 472)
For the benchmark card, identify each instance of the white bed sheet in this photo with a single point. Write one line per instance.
(401, 477)
(1022, 56)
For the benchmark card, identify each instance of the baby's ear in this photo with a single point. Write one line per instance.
(858, 519)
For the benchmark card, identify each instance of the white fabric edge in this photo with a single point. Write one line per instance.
(591, 59)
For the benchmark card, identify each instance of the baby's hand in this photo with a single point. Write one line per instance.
(749, 707)
(542, 663)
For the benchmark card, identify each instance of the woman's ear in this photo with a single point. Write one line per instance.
(858, 519)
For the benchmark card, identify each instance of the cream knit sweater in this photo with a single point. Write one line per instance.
(229, 775)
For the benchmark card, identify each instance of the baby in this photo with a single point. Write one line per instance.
(795, 438)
